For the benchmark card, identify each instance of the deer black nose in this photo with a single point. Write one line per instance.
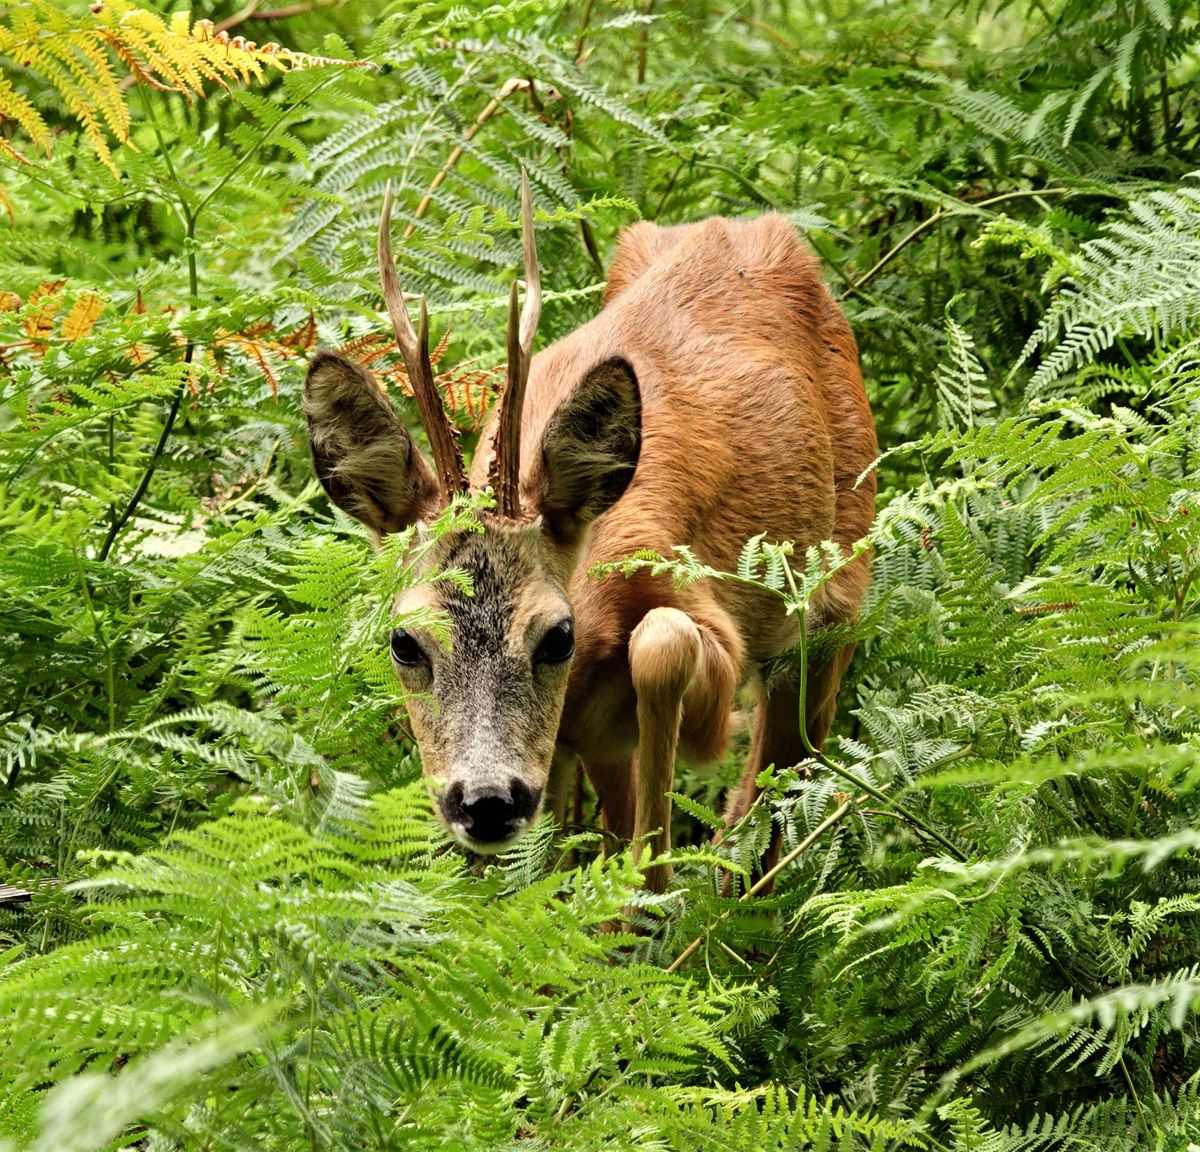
(491, 814)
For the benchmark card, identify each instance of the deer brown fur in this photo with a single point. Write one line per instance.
(716, 395)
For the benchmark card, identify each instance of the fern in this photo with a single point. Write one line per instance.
(1138, 279)
(75, 54)
(962, 399)
(246, 929)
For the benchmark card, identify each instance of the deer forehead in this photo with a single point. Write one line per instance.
(513, 591)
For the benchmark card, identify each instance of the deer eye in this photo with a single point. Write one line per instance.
(405, 650)
(557, 645)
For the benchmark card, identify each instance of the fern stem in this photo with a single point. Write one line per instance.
(671, 180)
(148, 474)
(102, 642)
(313, 997)
(902, 812)
(765, 879)
(112, 459)
(190, 217)
(584, 20)
(1137, 1100)
(189, 220)
(259, 144)
(165, 153)
(733, 955)
(740, 177)
(1164, 100)
(643, 40)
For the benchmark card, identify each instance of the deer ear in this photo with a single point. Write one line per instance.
(590, 448)
(363, 454)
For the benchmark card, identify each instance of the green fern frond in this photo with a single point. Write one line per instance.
(1138, 279)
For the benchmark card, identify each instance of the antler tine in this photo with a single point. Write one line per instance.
(414, 348)
(531, 313)
(506, 460)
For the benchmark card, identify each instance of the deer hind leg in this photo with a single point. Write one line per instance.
(843, 596)
(774, 740)
(777, 740)
(679, 665)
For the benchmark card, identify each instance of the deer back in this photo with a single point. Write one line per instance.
(753, 417)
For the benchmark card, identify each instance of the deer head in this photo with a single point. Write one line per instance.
(485, 706)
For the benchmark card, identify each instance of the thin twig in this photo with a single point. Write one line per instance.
(766, 879)
(237, 18)
(493, 105)
(586, 236)
(267, 16)
(643, 37)
(588, 239)
(941, 214)
(583, 29)
(683, 160)
(291, 10)
(733, 955)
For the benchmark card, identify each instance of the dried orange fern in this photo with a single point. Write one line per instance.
(86, 59)
(467, 391)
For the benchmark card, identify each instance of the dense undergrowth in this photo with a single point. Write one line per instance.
(247, 931)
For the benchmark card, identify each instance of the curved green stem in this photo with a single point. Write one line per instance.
(942, 214)
(147, 475)
(912, 818)
(190, 216)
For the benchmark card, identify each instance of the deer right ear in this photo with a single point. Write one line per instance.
(590, 448)
(364, 456)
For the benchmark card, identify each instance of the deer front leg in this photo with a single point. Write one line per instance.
(665, 653)
(563, 766)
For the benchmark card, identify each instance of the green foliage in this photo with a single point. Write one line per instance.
(392, 996)
(987, 932)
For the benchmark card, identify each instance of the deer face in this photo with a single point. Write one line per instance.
(485, 699)
(486, 704)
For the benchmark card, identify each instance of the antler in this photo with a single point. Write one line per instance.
(504, 474)
(414, 348)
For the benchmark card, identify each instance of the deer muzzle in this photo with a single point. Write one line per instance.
(489, 817)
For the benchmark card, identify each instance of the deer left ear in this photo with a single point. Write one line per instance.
(364, 457)
(590, 448)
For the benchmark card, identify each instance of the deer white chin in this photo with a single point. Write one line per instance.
(489, 847)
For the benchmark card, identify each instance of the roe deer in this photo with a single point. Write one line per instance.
(715, 396)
